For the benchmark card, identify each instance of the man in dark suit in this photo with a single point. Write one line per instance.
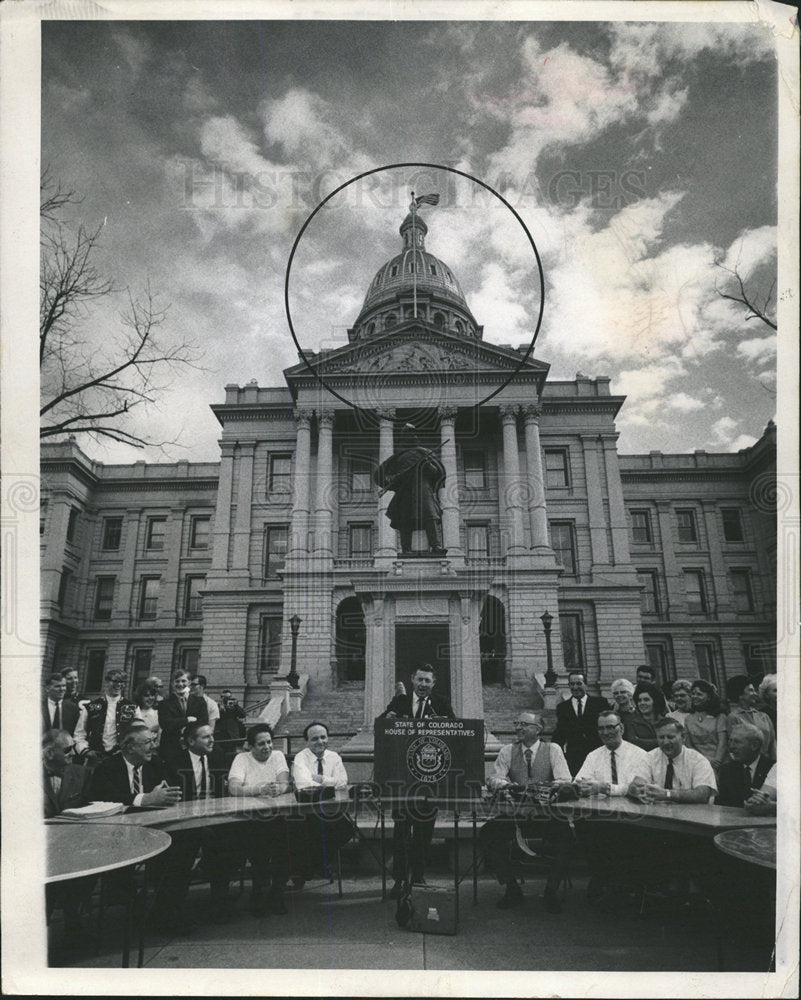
(137, 778)
(411, 836)
(177, 710)
(577, 721)
(202, 770)
(64, 782)
(57, 712)
(746, 771)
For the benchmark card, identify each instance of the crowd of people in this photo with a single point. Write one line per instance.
(651, 744)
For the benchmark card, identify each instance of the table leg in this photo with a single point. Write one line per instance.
(456, 862)
(140, 918)
(475, 861)
(383, 856)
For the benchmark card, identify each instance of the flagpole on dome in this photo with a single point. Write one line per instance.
(413, 210)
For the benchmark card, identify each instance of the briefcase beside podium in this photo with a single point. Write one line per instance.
(428, 910)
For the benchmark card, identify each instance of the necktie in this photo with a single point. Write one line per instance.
(57, 716)
(747, 783)
(528, 756)
(578, 708)
(613, 761)
(421, 707)
(669, 775)
(204, 781)
(320, 765)
(183, 705)
(137, 781)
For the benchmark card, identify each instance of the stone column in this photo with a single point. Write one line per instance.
(124, 612)
(617, 508)
(675, 600)
(449, 495)
(244, 499)
(387, 548)
(720, 596)
(537, 512)
(324, 491)
(595, 502)
(299, 541)
(222, 517)
(513, 490)
(169, 610)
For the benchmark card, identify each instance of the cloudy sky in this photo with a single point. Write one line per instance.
(638, 155)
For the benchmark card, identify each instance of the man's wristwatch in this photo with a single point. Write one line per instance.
(669, 794)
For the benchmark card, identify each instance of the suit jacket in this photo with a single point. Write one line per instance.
(109, 781)
(69, 715)
(74, 782)
(577, 736)
(218, 768)
(731, 781)
(172, 720)
(437, 705)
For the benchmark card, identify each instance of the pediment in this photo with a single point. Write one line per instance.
(416, 351)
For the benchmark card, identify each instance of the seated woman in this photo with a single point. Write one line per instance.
(262, 771)
(639, 728)
(146, 697)
(681, 699)
(705, 726)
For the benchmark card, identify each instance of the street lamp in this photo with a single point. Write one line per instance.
(292, 676)
(550, 676)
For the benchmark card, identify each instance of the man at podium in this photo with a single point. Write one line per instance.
(411, 837)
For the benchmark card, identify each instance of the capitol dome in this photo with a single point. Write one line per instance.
(414, 285)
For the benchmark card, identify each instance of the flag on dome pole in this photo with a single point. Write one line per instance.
(423, 199)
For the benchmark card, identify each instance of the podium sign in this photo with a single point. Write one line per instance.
(435, 756)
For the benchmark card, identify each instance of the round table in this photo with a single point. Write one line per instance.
(754, 844)
(89, 849)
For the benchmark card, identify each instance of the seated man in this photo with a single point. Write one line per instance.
(137, 778)
(412, 834)
(676, 773)
(202, 771)
(102, 718)
(317, 767)
(64, 782)
(746, 771)
(526, 762)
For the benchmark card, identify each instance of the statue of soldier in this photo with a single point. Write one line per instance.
(415, 475)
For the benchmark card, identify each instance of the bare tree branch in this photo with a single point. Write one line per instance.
(753, 311)
(90, 386)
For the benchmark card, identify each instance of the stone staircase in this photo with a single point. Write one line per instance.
(501, 705)
(342, 710)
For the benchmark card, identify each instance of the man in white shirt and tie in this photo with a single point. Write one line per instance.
(317, 767)
(611, 768)
(676, 773)
(526, 762)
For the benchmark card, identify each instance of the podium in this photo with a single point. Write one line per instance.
(433, 757)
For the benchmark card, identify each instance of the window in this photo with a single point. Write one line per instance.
(705, 660)
(149, 597)
(112, 534)
(439, 320)
(641, 527)
(394, 271)
(189, 659)
(42, 516)
(659, 662)
(156, 533)
(685, 520)
(141, 666)
(732, 525)
(696, 591)
(104, 597)
(743, 591)
(276, 540)
(199, 533)
(193, 601)
(360, 541)
(556, 468)
(72, 524)
(759, 657)
(280, 474)
(95, 669)
(572, 630)
(477, 541)
(433, 269)
(649, 598)
(475, 469)
(361, 475)
(64, 589)
(563, 544)
(270, 631)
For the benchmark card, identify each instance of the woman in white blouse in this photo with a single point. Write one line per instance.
(146, 697)
(262, 771)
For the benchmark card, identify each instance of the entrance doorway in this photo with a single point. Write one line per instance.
(415, 644)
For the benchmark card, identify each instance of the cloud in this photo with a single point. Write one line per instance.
(681, 401)
(759, 349)
(723, 436)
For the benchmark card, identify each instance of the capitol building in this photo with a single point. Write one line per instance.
(664, 559)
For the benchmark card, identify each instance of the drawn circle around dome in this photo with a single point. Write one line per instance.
(400, 166)
(428, 759)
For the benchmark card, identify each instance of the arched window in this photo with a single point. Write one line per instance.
(350, 640)
(458, 326)
(439, 320)
(391, 320)
(492, 642)
(371, 329)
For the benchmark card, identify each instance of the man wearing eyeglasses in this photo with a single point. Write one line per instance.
(611, 768)
(64, 782)
(521, 765)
